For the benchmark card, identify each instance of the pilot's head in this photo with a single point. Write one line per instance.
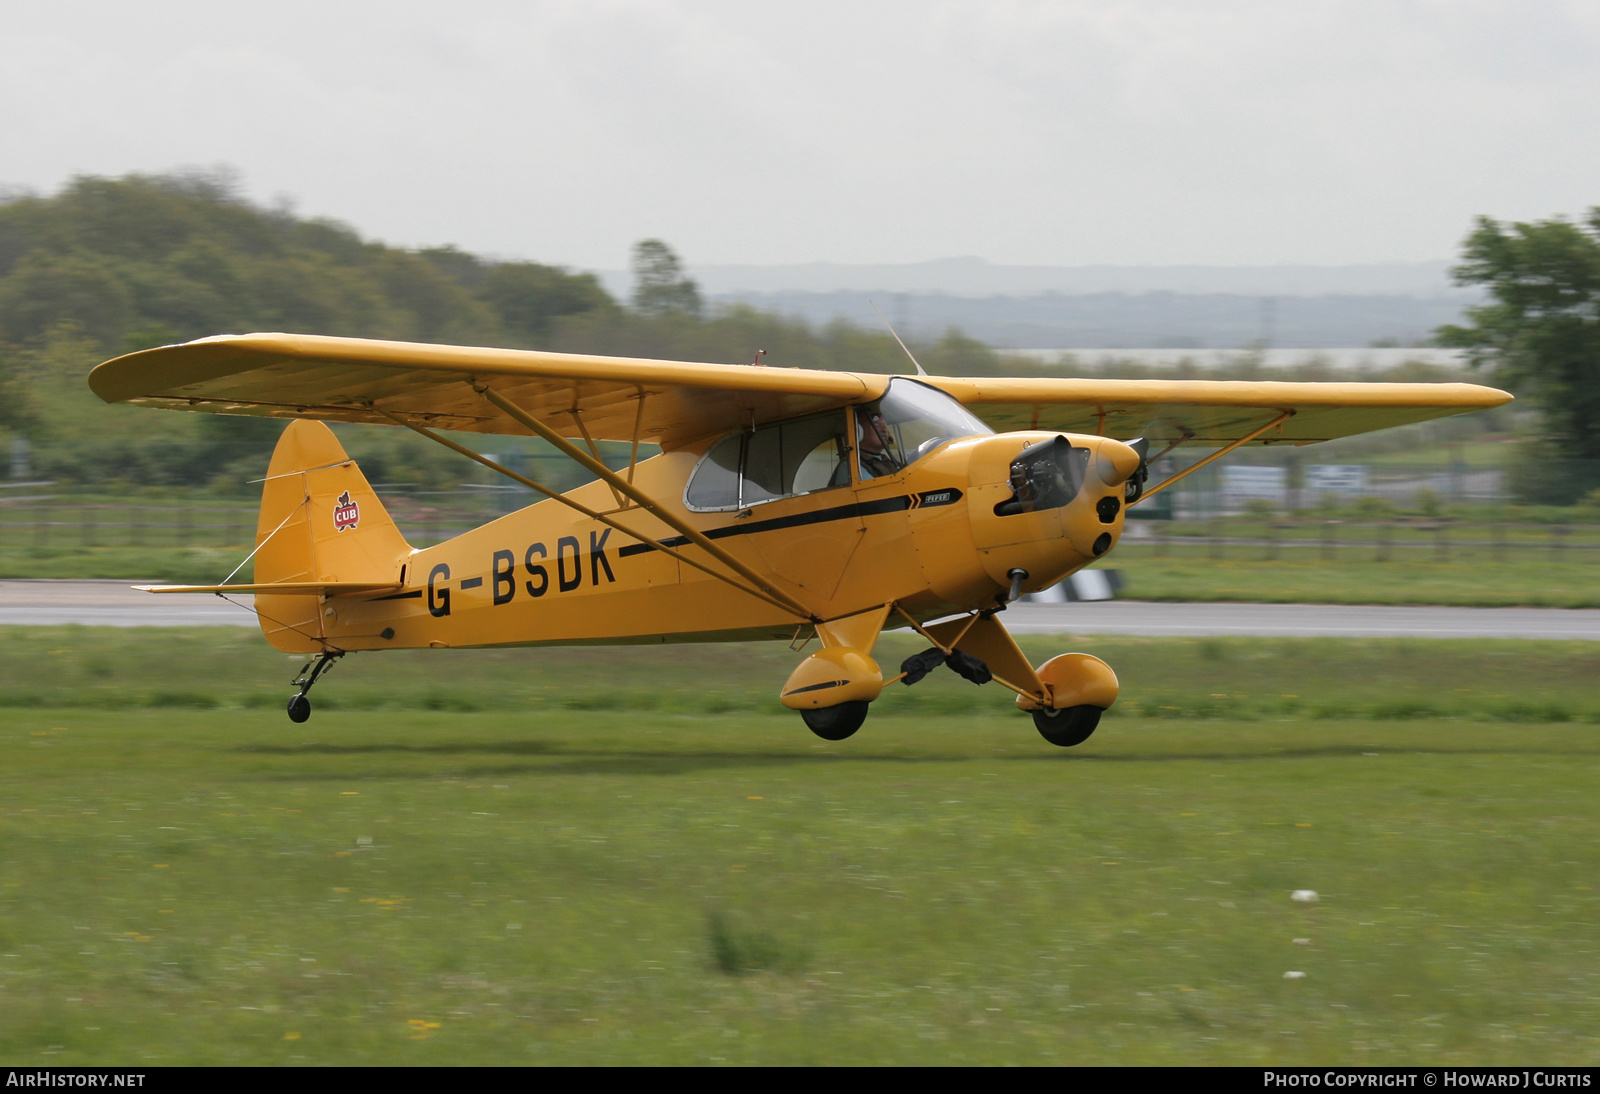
(872, 432)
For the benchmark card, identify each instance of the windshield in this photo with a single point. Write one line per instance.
(910, 421)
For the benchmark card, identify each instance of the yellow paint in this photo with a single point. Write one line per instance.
(550, 575)
(333, 573)
(830, 677)
(1076, 679)
(348, 379)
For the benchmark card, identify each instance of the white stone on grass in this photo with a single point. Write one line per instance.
(1304, 896)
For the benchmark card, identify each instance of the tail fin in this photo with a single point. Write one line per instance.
(320, 523)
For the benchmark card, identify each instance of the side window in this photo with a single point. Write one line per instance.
(823, 466)
(763, 466)
(775, 461)
(715, 482)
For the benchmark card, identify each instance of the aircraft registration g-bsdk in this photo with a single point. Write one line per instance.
(785, 503)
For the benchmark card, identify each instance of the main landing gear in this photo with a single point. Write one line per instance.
(1068, 727)
(834, 687)
(837, 722)
(299, 704)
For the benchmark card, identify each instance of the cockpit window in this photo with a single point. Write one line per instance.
(715, 482)
(910, 421)
(773, 461)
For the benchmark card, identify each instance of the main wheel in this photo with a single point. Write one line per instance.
(1067, 727)
(299, 708)
(836, 723)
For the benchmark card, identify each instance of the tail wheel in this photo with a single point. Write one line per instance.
(1068, 727)
(837, 722)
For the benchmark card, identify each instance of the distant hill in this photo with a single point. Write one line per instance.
(1078, 307)
(972, 276)
(1143, 320)
(107, 266)
(145, 260)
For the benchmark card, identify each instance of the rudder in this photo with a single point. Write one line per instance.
(320, 521)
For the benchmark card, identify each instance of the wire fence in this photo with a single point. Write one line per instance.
(65, 524)
(84, 525)
(1378, 541)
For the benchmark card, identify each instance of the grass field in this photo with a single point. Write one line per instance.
(1531, 579)
(567, 859)
(188, 565)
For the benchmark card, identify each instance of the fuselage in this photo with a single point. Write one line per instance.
(927, 537)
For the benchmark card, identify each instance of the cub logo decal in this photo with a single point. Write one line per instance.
(346, 513)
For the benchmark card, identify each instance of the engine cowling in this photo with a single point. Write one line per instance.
(1047, 503)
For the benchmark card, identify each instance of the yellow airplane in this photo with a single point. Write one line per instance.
(785, 503)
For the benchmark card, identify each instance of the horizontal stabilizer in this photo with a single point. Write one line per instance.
(286, 588)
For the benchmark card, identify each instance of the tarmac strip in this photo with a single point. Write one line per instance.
(115, 604)
(1137, 617)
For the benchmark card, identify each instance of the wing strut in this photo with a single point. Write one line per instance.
(586, 511)
(1217, 455)
(623, 486)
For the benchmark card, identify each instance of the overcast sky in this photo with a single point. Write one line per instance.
(1056, 133)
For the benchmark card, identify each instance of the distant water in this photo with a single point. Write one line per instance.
(1356, 359)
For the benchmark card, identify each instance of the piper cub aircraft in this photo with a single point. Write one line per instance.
(785, 503)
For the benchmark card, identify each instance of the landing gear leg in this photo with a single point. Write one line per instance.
(299, 704)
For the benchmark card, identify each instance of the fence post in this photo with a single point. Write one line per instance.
(1328, 535)
(1558, 539)
(1499, 541)
(1385, 540)
(86, 526)
(185, 526)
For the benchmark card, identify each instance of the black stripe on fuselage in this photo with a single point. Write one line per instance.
(400, 596)
(817, 516)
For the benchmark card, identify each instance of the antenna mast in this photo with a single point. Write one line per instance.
(920, 370)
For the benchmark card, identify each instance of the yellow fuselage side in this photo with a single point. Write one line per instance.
(927, 538)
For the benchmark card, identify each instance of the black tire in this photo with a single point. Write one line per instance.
(299, 708)
(836, 723)
(1069, 727)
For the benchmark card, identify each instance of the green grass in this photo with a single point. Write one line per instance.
(185, 565)
(509, 879)
(1497, 452)
(1530, 578)
(232, 669)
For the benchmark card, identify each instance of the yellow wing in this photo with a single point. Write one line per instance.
(1211, 413)
(673, 402)
(351, 379)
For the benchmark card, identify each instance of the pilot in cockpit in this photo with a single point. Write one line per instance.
(876, 444)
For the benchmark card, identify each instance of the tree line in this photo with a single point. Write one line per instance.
(109, 266)
(113, 265)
